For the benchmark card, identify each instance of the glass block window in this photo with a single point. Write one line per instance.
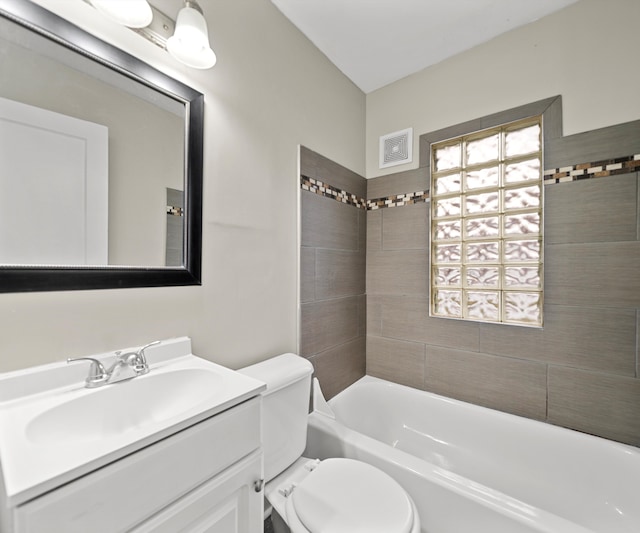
(486, 225)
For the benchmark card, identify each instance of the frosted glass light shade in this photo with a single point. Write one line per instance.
(190, 41)
(131, 13)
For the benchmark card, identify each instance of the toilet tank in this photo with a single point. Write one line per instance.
(285, 407)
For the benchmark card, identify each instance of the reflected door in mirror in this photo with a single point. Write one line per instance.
(53, 188)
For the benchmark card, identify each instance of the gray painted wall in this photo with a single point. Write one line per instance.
(270, 91)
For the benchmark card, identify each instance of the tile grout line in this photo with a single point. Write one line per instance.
(638, 205)
(546, 403)
(637, 343)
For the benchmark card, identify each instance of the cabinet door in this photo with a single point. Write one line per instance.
(228, 503)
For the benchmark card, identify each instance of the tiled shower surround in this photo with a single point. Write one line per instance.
(332, 271)
(581, 370)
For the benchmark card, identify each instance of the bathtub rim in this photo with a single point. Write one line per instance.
(622, 446)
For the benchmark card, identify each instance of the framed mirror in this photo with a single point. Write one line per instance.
(100, 162)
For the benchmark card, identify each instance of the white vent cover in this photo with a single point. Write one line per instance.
(396, 148)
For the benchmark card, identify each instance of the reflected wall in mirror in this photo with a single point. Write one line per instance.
(100, 162)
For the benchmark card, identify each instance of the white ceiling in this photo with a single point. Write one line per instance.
(377, 42)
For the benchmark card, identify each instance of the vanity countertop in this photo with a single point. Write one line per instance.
(53, 429)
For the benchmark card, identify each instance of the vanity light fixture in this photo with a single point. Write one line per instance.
(130, 13)
(186, 39)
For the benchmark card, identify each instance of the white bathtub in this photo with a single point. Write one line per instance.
(470, 469)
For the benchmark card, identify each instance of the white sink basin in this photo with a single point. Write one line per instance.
(53, 429)
(125, 406)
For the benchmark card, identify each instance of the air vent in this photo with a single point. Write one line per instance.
(396, 148)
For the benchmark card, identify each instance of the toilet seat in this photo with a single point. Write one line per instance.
(347, 496)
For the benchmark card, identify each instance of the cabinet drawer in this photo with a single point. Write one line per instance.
(120, 495)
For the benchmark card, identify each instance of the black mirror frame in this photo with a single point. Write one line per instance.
(35, 278)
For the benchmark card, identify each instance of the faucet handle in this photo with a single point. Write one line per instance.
(137, 359)
(97, 373)
(140, 352)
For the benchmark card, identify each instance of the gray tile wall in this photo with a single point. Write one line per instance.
(174, 235)
(332, 277)
(582, 369)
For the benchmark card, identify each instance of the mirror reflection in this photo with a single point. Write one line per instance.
(92, 162)
(101, 162)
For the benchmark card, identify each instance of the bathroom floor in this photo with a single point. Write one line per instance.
(268, 526)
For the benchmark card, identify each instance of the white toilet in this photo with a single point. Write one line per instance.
(311, 496)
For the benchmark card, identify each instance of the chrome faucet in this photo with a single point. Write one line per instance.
(126, 366)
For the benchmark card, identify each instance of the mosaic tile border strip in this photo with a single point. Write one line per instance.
(582, 171)
(398, 200)
(599, 169)
(175, 211)
(323, 189)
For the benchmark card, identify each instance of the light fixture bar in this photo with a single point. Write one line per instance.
(161, 28)
(190, 45)
(131, 13)
(158, 31)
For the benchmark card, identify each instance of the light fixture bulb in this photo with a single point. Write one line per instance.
(190, 41)
(131, 13)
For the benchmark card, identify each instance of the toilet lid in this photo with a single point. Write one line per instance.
(348, 496)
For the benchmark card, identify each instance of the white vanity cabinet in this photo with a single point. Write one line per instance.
(201, 479)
